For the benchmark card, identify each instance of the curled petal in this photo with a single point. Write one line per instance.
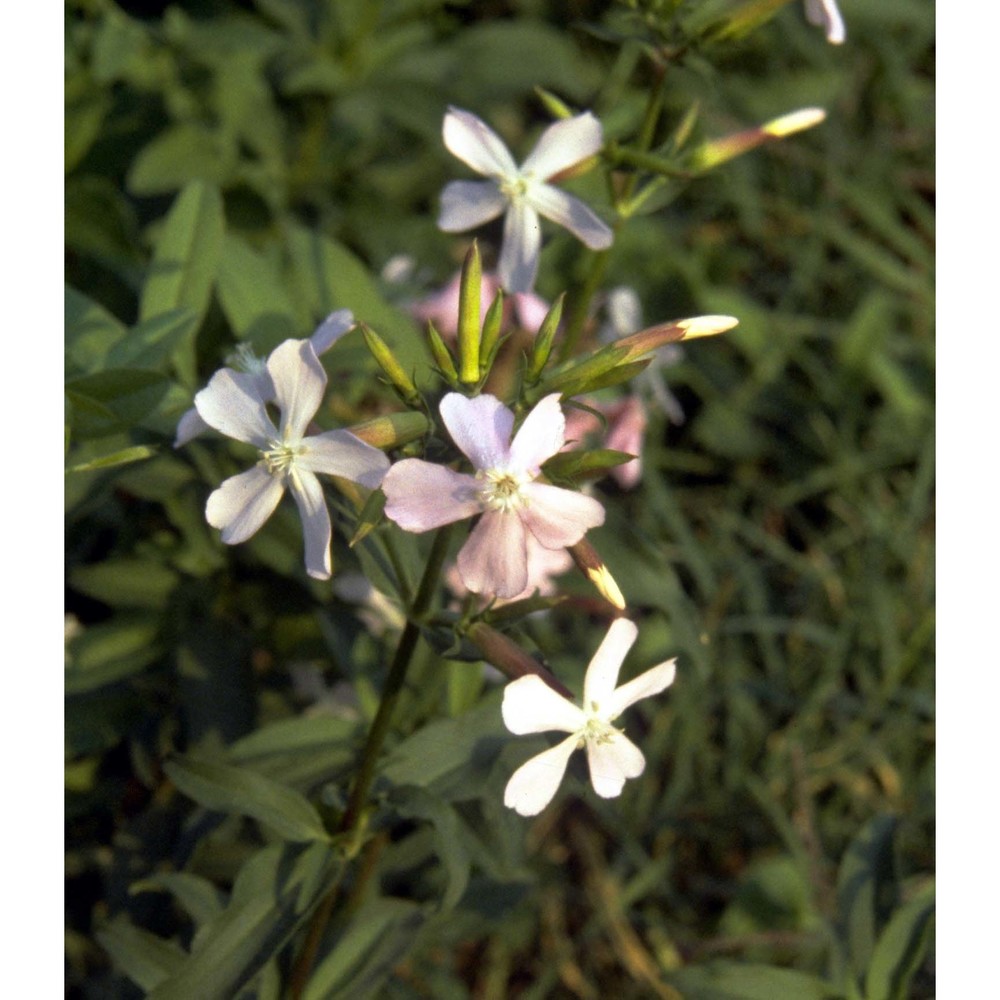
(339, 322)
(494, 558)
(824, 14)
(467, 204)
(340, 453)
(308, 494)
(299, 381)
(522, 240)
(232, 404)
(533, 784)
(243, 503)
(470, 139)
(189, 427)
(531, 706)
(571, 213)
(602, 671)
(541, 435)
(558, 518)
(651, 682)
(563, 145)
(421, 495)
(480, 427)
(611, 762)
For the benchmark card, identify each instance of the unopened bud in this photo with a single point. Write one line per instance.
(717, 151)
(543, 340)
(509, 658)
(491, 334)
(389, 364)
(648, 340)
(442, 356)
(595, 569)
(392, 430)
(470, 290)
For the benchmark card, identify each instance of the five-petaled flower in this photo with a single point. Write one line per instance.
(504, 489)
(235, 404)
(531, 706)
(522, 192)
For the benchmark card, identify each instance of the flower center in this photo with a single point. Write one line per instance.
(279, 458)
(597, 730)
(515, 188)
(501, 490)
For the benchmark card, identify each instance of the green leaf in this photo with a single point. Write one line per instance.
(225, 788)
(378, 937)
(725, 980)
(127, 582)
(123, 456)
(151, 342)
(201, 900)
(83, 122)
(572, 466)
(114, 400)
(109, 652)
(145, 958)
(91, 331)
(180, 154)
(901, 948)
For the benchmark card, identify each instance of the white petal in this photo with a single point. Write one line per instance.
(299, 382)
(533, 784)
(308, 494)
(602, 672)
(540, 436)
(556, 517)
(476, 144)
(531, 706)
(232, 404)
(339, 322)
(571, 213)
(480, 427)
(467, 204)
(421, 495)
(189, 427)
(612, 762)
(494, 558)
(825, 14)
(243, 503)
(564, 144)
(651, 682)
(522, 238)
(340, 453)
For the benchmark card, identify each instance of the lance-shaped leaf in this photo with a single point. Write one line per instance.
(901, 948)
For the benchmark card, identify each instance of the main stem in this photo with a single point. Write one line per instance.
(351, 817)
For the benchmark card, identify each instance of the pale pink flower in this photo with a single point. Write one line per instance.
(520, 193)
(525, 309)
(625, 431)
(543, 565)
(244, 361)
(504, 489)
(235, 404)
(824, 14)
(531, 706)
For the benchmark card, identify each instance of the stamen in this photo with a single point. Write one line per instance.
(280, 458)
(500, 490)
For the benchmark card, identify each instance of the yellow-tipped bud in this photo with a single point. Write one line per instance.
(596, 571)
(795, 121)
(717, 151)
(653, 337)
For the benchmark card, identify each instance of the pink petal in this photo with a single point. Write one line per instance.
(522, 240)
(421, 495)
(602, 672)
(564, 144)
(531, 706)
(530, 310)
(612, 762)
(299, 382)
(467, 204)
(534, 783)
(558, 518)
(480, 427)
(539, 437)
(340, 453)
(470, 139)
(651, 682)
(308, 494)
(572, 214)
(232, 404)
(493, 559)
(243, 503)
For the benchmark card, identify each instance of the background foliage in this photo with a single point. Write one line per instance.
(237, 170)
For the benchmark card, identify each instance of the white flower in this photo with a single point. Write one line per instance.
(243, 359)
(824, 14)
(523, 193)
(235, 404)
(531, 706)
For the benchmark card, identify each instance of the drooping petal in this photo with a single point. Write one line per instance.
(232, 404)
(308, 494)
(480, 427)
(613, 761)
(522, 239)
(564, 144)
(535, 782)
(470, 139)
(556, 517)
(339, 322)
(531, 706)
(651, 682)
(421, 495)
(494, 558)
(467, 204)
(243, 503)
(340, 453)
(825, 14)
(573, 214)
(602, 671)
(299, 382)
(189, 427)
(540, 436)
